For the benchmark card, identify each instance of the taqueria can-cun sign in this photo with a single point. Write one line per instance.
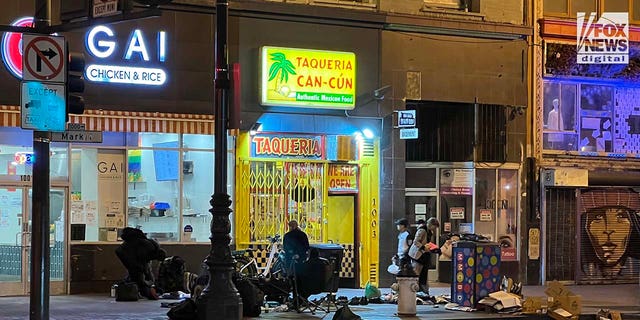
(308, 78)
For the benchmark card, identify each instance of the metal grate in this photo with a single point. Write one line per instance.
(491, 136)
(368, 148)
(561, 230)
(446, 132)
(282, 191)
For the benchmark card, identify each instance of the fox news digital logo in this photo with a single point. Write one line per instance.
(605, 41)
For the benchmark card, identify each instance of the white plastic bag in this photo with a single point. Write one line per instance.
(393, 269)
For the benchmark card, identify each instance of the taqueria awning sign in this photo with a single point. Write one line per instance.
(308, 78)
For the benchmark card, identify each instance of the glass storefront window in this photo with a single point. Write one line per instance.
(559, 122)
(153, 182)
(97, 194)
(152, 139)
(486, 203)
(507, 213)
(497, 209)
(59, 161)
(596, 111)
(17, 158)
(197, 188)
(197, 141)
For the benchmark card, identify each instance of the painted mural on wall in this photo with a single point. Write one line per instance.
(610, 235)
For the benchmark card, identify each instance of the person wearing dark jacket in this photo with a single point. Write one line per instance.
(136, 253)
(295, 243)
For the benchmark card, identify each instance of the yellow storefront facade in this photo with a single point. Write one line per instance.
(328, 182)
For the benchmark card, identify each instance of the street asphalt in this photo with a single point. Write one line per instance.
(623, 298)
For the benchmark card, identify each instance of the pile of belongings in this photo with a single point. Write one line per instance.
(507, 300)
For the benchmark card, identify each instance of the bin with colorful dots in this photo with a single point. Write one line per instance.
(476, 271)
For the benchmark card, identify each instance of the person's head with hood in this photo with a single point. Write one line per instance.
(130, 234)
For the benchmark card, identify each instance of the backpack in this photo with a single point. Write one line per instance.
(171, 274)
(126, 291)
(184, 310)
(412, 235)
(252, 297)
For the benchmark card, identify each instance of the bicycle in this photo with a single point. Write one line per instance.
(247, 265)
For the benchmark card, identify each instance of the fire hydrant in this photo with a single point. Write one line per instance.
(406, 287)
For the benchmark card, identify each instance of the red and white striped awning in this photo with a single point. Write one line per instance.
(126, 121)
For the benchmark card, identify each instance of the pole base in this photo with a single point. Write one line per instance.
(213, 307)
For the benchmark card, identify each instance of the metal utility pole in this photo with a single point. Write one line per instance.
(40, 251)
(220, 299)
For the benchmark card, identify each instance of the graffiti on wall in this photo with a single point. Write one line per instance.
(610, 236)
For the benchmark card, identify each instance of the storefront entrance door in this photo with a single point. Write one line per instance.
(423, 205)
(342, 228)
(15, 240)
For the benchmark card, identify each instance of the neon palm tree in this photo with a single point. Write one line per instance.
(280, 66)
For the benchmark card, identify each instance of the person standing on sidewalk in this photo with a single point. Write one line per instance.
(421, 250)
(401, 258)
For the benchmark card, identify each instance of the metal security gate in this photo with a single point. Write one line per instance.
(561, 209)
(609, 236)
(280, 191)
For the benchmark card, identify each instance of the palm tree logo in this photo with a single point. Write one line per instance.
(283, 67)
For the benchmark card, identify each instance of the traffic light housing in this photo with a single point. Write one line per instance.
(75, 84)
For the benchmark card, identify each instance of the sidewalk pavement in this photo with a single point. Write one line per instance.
(623, 298)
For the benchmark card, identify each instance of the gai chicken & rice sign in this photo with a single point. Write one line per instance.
(308, 78)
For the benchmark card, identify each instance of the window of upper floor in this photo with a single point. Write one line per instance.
(586, 115)
(570, 8)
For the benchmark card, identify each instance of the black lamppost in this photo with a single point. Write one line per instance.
(220, 299)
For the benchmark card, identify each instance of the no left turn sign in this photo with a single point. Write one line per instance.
(43, 58)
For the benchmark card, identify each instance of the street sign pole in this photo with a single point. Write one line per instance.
(40, 251)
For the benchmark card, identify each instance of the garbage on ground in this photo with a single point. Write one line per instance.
(503, 302)
(507, 300)
(605, 314)
(457, 307)
(562, 303)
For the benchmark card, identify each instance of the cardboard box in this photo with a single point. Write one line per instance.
(533, 305)
(572, 304)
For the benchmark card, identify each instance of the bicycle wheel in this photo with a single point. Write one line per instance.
(244, 267)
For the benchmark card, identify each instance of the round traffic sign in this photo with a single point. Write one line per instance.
(44, 50)
(12, 47)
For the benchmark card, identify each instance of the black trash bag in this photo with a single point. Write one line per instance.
(252, 297)
(345, 313)
(185, 310)
(127, 291)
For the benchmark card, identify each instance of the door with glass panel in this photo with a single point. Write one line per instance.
(15, 239)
